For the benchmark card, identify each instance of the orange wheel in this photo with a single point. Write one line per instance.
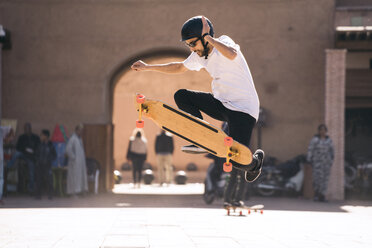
(140, 98)
(140, 124)
(228, 141)
(261, 211)
(227, 167)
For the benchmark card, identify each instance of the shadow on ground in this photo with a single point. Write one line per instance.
(111, 200)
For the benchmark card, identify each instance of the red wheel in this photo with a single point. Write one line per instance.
(228, 141)
(227, 167)
(261, 211)
(241, 213)
(140, 124)
(249, 211)
(140, 98)
(228, 212)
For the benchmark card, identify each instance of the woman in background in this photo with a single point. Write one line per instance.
(137, 154)
(320, 155)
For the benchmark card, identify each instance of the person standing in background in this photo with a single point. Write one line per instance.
(321, 155)
(164, 156)
(77, 178)
(26, 148)
(46, 154)
(137, 154)
(2, 136)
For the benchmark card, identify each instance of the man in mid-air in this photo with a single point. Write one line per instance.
(233, 99)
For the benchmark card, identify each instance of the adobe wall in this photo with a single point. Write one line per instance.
(65, 53)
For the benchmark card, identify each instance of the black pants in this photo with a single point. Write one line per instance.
(137, 169)
(43, 176)
(240, 129)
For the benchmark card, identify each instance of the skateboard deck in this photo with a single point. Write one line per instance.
(192, 129)
(240, 210)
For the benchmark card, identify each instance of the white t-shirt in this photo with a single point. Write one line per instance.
(232, 80)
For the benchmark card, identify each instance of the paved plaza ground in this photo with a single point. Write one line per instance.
(176, 216)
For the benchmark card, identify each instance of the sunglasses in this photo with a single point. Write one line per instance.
(192, 43)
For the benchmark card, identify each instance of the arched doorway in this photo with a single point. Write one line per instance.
(156, 86)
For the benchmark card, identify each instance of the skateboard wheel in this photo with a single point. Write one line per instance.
(140, 124)
(228, 141)
(227, 167)
(261, 211)
(249, 211)
(241, 213)
(140, 98)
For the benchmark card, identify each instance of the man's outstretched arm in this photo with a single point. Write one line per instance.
(173, 67)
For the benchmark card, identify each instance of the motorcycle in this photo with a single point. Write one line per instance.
(358, 176)
(286, 177)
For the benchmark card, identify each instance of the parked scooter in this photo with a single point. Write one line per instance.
(286, 177)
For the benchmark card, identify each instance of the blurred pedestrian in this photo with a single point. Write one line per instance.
(2, 136)
(320, 155)
(137, 154)
(6, 148)
(26, 149)
(164, 148)
(46, 154)
(77, 179)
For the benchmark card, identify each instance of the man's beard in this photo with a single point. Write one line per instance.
(202, 53)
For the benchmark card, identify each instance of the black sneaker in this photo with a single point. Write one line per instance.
(253, 174)
(193, 149)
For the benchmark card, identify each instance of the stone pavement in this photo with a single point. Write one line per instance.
(152, 218)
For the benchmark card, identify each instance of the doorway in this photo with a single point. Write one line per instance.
(156, 86)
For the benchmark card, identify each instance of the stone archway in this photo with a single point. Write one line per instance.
(126, 83)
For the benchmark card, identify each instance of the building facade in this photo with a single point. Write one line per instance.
(69, 63)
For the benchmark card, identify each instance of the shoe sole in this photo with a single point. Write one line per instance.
(191, 151)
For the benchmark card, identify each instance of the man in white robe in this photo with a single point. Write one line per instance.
(77, 180)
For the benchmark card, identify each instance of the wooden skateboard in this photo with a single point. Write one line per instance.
(240, 210)
(193, 130)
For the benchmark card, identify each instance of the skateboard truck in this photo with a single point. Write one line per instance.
(140, 99)
(227, 167)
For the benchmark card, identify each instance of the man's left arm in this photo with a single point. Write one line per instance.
(227, 51)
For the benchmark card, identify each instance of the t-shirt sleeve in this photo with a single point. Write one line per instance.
(229, 42)
(192, 62)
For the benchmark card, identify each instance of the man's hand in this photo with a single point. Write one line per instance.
(139, 66)
(206, 27)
